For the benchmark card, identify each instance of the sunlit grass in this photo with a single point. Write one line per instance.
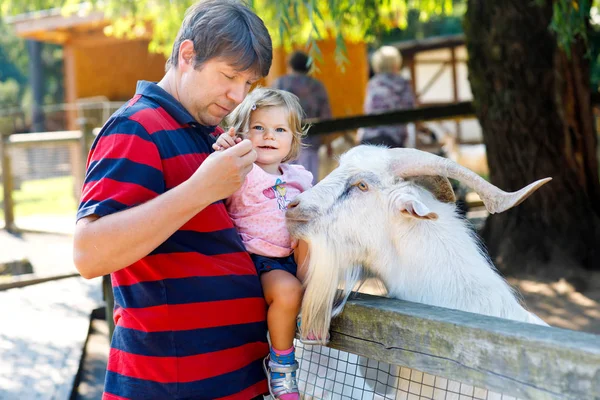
(52, 196)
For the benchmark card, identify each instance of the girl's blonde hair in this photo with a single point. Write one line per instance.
(239, 119)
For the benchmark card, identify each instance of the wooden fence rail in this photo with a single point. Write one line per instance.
(514, 358)
(81, 139)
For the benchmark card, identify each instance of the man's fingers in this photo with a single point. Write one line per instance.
(242, 148)
(248, 158)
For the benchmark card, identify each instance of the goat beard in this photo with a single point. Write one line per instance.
(331, 277)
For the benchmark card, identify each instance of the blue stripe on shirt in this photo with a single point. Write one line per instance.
(187, 290)
(127, 171)
(224, 241)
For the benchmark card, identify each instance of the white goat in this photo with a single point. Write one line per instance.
(367, 215)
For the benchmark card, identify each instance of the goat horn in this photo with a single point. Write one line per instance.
(439, 186)
(412, 162)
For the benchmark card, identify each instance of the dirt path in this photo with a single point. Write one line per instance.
(560, 304)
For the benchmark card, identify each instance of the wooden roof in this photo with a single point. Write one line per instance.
(53, 26)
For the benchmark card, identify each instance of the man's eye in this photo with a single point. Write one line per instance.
(227, 76)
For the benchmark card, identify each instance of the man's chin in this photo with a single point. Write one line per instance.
(209, 120)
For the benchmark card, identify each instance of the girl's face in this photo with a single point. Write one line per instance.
(271, 136)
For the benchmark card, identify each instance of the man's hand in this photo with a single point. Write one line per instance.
(223, 172)
(226, 140)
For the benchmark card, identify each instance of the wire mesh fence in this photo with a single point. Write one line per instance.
(332, 374)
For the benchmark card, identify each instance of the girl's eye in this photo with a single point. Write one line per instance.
(362, 186)
(257, 127)
(281, 130)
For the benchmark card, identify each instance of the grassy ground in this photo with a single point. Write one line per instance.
(43, 197)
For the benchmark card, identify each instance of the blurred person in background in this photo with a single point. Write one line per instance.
(314, 101)
(387, 90)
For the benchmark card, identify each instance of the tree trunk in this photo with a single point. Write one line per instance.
(533, 103)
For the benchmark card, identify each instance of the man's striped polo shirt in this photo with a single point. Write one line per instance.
(190, 318)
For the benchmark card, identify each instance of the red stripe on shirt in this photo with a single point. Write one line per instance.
(248, 393)
(134, 100)
(179, 317)
(129, 146)
(125, 193)
(179, 168)
(184, 265)
(212, 219)
(109, 396)
(155, 119)
(191, 368)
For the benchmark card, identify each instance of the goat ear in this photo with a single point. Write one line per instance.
(413, 207)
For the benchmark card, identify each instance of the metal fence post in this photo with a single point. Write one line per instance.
(7, 185)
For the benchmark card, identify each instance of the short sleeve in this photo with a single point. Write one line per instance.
(124, 169)
(301, 175)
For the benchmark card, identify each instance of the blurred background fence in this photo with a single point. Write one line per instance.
(42, 172)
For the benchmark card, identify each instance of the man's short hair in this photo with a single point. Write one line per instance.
(299, 62)
(225, 29)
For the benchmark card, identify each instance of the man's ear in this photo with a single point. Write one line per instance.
(411, 206)
(186, 54)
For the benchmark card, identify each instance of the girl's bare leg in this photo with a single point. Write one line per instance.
(283, 294)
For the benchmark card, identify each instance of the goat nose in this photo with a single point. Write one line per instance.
(293, 204)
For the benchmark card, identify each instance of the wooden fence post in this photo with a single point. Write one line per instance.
(7, 185)
(85, 142)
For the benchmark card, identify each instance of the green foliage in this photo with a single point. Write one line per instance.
(570, 20)
(416, 29)
(289, 21)
(13, 59)
(304, 22)
(9, 93)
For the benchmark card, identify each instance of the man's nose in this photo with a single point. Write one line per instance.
(237, 93)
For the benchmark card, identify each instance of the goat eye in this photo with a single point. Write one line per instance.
(362, 186)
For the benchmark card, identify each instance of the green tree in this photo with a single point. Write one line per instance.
(531, 88)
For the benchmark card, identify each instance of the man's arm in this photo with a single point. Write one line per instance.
(108, 244)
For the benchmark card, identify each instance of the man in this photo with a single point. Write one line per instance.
(313, 99)
(189, 311)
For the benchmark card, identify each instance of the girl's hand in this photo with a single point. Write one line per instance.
(226, 140)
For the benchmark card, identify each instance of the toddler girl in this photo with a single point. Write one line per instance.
(272, 120)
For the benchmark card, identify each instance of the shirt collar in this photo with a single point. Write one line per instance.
(169, 103)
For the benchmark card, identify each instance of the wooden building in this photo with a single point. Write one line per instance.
(102, 67)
